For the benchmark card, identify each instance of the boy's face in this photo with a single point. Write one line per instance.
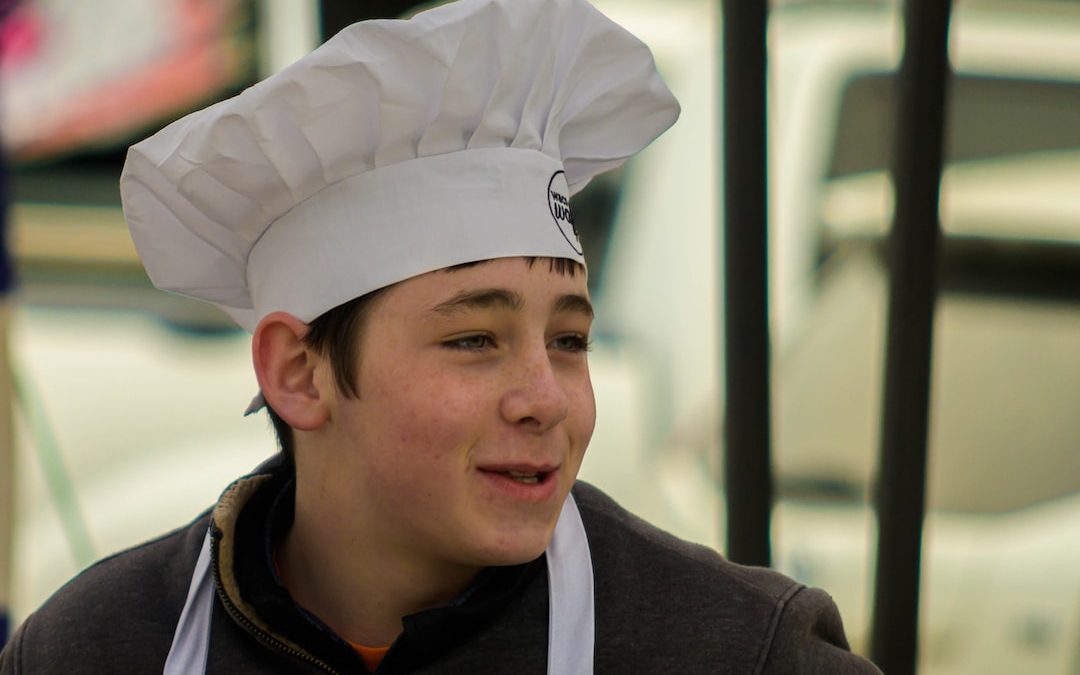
(474, 411)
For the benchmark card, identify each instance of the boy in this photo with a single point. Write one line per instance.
(389, 218)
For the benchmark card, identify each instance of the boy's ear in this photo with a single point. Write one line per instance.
(289, 372)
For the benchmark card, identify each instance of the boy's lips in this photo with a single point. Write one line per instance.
(527, 482)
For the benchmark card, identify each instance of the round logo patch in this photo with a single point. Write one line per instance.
(558, 195)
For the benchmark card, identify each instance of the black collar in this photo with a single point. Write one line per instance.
(263, 522)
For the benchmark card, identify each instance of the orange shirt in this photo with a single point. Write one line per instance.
(372, 656)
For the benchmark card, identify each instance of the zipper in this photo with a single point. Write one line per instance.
(256, 632)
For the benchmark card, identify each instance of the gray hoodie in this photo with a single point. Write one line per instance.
(662, 605)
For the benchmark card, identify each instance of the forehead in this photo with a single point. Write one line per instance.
(535, 282)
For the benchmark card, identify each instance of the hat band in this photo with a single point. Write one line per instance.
(395, 222)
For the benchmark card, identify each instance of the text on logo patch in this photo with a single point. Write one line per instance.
(559, 205)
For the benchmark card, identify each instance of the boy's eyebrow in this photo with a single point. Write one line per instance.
(498, 298)
(574, 303)
(486, 298)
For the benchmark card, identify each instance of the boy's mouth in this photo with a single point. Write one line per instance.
(524, 477)
(532, 483)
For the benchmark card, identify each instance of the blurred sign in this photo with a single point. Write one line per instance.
(83, 74)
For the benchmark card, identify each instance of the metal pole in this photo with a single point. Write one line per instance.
(336, 14)
(747, 473)
(913, 250)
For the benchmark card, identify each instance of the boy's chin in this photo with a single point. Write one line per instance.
(517, 554)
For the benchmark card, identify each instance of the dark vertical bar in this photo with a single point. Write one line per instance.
(748, 479)
(913, 247)
(336, 14)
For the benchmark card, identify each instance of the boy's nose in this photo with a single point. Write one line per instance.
(535, 399)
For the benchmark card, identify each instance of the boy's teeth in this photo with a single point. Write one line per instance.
(524, 477)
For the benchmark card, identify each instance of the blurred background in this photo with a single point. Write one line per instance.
(126, 402)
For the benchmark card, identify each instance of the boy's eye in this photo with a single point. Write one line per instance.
(472, 343)
(572, 343)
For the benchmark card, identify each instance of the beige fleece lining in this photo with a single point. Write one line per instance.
(226, 514)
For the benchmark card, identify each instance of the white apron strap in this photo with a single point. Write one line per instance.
(570, 584)
(571, 624)
(191, 641)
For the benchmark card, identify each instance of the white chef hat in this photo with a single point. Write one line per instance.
(394, 149)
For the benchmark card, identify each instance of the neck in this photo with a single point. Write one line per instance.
(336, 566)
